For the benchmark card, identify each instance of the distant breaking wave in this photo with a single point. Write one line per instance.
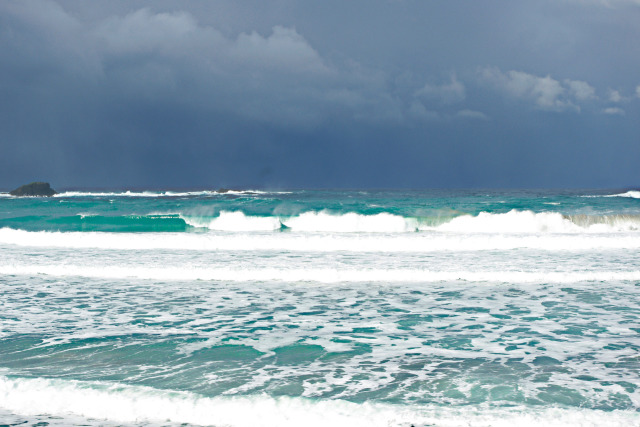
(634, 194)
(152, 194)
(134, 194)
(163, 193)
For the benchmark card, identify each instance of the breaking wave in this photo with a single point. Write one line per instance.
(510, 222)
(351, 222)
(634, 194)
(136, 404)
(235, 221)
(308, 222)
(543, 222)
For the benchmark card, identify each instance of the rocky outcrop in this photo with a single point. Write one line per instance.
(38, 189)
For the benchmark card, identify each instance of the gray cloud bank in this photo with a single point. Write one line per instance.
(406, 94)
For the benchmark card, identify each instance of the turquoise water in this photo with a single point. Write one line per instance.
(321, 307)
(171, 211)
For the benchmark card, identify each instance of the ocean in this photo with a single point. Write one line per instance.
(321, 308)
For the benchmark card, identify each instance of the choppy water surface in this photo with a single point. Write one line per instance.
(321, 307)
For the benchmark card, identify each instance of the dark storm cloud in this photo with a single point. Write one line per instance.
(403, 93)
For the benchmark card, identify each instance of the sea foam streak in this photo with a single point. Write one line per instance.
(135, 404)
(313, 242)
(319, 275)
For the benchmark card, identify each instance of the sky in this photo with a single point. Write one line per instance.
(330, 94)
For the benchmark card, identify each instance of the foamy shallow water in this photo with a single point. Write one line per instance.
(104, 404)
(352, 319)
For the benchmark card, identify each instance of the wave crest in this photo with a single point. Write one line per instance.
(514, 221)
(323, 221)
(634, 194)
(351, 222)
(236, 221)
(510, 222)
(135, 404)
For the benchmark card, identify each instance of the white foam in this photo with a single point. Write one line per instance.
(510, 222)
(516, 221)
(423, 242)
(634, 194)
(135, 404)
(320, 275)
(244, 192)
(351, 222)
(236, 221)
(307, 222)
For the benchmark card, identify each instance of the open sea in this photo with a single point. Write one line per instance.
(321, 308)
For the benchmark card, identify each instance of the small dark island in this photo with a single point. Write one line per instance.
(35, 189)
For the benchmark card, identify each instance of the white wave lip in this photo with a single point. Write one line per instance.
(634, 194)
(400, 242)
(516, 221)
(319, 275)
(133, 404)
(238, 221)
(511, 222)
(350, 223)
(308, 222)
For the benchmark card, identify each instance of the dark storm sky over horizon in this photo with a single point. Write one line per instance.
(397, 93)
